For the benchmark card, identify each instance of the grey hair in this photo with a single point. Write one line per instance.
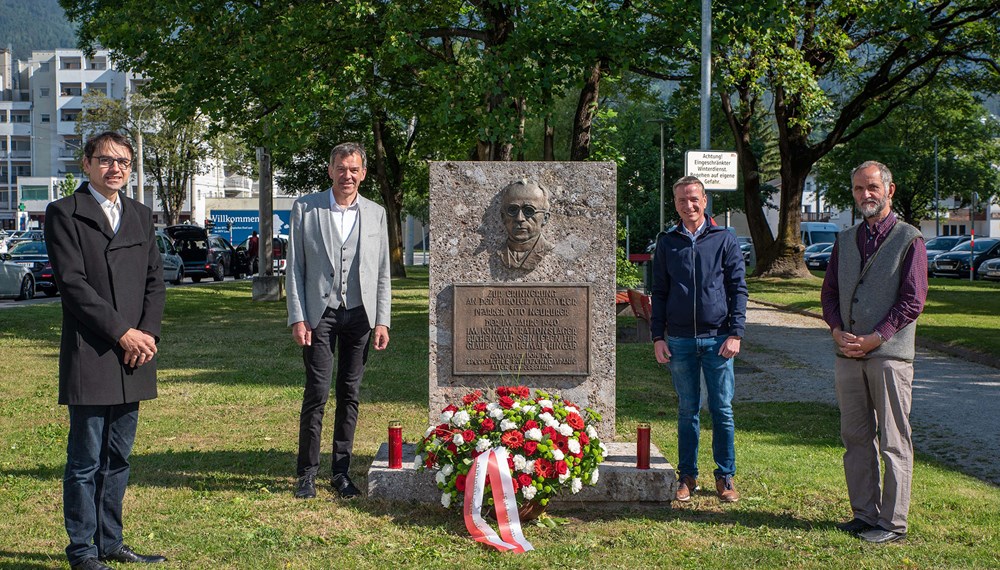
(883, 171)
(347, 149)
(526, 184)
(686, 180)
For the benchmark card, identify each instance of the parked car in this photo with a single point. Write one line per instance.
(16, 280)
(746, 246)
(955, 263)
(941, 244)
(989, 270)
(35, 256)
(820, 260)
(816, 248)
(173, 265)
(279, 251)
(205, 254)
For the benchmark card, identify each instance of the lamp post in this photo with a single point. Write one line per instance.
(662, 181)
(972, 243)
(937, 196)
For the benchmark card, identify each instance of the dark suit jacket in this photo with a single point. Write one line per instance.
(109, 283)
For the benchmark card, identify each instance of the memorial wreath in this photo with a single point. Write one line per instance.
(549, 444)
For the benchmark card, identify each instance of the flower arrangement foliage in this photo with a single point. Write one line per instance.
(552, 443)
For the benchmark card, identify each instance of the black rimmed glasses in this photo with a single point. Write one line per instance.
(528, 210)
(107, 161)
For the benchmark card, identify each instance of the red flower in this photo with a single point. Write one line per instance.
(562, 444)
(480, 407)
(503, 391)
(506, 402)
(524, 479)
(468, 435)
(561, 467)
(471, 397)
(544, 468)
(548, 411)
(450, 408)
(452, 448)
(512, 439)
(510, 463)
(441, 430)
(530, 424)
(584, 440)
(460, 482)
(530, 447)
(486, 425)
(551, 432)
(575, 421)
(515, 484)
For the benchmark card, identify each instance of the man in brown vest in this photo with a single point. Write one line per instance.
(873, 291)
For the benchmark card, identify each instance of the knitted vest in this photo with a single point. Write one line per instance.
(867, 293)
(346, 272)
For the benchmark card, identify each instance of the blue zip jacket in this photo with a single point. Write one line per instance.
(699, 289)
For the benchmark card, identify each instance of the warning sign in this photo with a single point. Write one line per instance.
(715, 168)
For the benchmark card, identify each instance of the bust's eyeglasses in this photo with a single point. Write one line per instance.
(106, 161)
(528, 210)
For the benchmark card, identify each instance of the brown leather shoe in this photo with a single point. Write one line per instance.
(686, 486)
(726, 489)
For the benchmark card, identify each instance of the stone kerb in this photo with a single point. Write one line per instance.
(468, 243)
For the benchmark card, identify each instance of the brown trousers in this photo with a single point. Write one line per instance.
(875, 397)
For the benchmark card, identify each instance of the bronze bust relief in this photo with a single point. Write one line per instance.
(524, 209)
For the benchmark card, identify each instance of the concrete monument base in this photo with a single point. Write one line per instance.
(619, 482)
(268, 288)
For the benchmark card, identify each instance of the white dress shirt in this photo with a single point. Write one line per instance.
(344, 218)
(113, 210)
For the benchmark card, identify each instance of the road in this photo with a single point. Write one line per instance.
(40, 297)
(789, 357)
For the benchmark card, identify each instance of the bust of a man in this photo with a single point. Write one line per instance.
(524, 209)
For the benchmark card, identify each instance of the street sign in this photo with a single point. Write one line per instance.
(715, 168)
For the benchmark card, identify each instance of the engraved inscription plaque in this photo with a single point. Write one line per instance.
(522, 329)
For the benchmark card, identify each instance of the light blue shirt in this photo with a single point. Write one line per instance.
(697, 232)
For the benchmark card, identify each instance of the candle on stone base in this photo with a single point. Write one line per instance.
(642, 446)
(395, 444)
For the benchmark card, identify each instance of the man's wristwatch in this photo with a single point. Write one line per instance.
(880, 337)
(657, 338)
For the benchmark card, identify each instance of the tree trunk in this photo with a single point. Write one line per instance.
(389, 177)
(548, 140)
(586, 109)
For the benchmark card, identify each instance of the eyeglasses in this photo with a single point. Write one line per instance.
(528, 210)
(106, 161)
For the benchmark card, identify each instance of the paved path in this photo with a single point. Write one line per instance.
(789, 357)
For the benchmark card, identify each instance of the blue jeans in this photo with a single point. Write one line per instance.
(97, 468)
(689, 358)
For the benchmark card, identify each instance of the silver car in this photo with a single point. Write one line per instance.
(173, 265)
(16, 281)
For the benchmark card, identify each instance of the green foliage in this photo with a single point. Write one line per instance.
(68, 185)
(34, 26)
(627, 274)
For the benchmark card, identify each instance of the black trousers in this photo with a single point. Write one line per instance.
(348, 331)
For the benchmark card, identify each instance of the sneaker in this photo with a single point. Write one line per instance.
(685, 487)
(726, 489)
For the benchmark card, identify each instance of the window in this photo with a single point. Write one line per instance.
(45, 118)
(43, 67)
(43, 92)
(20, 118)
(34, 192)
(69, 115)
(70, 89)
(70, 63)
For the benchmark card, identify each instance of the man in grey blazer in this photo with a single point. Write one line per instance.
(339, 295)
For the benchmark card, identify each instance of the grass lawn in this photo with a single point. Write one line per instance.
(958, 312)
(214, 462)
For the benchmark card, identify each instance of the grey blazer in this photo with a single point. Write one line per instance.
(308, 272)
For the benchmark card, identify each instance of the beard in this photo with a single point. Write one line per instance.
(869, 210)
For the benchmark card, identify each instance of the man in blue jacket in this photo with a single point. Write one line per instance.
(699, 314)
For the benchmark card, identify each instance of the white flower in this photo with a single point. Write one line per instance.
(529, 492)
(429, 430)
(545, 417)
(446, 416)
(604, 450)
(529, 467)
(591, 432)
(545, 403)
(507, 425)
(516, 406)
(461, 418)
(448, 469)
(565, 430)
(534, 434)
(457, 439)
(564, 477)
(574, 446)
(418, 461)
(482, 444)
(595, 476)
(519, 462)
(492, 406)
(529, 409)
(446, 500)
(496, 413)
(576, 485)
(558, 455)
(572, 410)
(440, 478)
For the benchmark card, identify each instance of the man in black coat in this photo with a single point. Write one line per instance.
(108, 269)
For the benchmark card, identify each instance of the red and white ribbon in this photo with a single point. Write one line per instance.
(493, 464)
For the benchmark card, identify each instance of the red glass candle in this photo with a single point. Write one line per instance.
(642, 446)
(395, 444)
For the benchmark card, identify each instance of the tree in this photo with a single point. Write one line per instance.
(68, 185)
(832, 70)
(968, 140)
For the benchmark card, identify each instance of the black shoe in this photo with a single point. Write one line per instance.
(306, 488)
(855, 527)
(878, 535)
(344, 487)
(90, 564)
(126, 554)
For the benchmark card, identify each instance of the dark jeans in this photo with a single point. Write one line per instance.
(97, 468)
(348, 330)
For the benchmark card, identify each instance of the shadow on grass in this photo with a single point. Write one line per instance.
(25, 560)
